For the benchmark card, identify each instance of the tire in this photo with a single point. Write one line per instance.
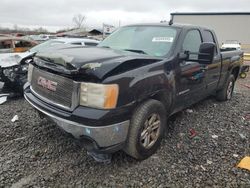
(139, 144)
(227, 91)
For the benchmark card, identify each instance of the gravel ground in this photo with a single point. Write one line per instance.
(35, 153)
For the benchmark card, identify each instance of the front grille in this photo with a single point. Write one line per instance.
(62, 96)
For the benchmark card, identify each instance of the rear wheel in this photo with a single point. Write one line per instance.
(146, 129)
(227, 91)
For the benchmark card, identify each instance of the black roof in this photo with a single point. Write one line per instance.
(160, 24)
(166, 24)
(210, 13)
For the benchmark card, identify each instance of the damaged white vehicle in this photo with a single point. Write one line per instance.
(14, 66)
(13, 71)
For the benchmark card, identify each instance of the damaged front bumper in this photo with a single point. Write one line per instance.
(13, 71)
(108, 138)
(14, 78)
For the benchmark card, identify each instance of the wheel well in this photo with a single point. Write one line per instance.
(235, 72)
(164, 98)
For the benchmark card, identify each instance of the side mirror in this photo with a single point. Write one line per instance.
(206, 53)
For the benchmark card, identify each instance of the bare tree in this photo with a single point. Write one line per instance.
(41, 30)
(78, 20)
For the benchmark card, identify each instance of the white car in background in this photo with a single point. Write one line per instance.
(231, 45)
(14, 66)
(8, 55)
(62, 41)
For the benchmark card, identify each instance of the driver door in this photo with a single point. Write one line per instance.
(191, 85)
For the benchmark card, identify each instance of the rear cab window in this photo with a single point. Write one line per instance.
(209, 37)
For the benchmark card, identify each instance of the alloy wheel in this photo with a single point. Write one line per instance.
(151, 131)
(229, 90)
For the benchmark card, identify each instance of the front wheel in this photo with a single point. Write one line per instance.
(227, 91)
(146, 130)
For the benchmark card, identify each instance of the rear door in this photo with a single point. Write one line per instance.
(213, 69)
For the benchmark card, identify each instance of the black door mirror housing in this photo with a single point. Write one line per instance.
(206, 53)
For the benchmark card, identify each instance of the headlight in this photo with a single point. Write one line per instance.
(99, 95)
(30, 71)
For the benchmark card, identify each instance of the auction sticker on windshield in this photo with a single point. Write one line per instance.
(163, 39)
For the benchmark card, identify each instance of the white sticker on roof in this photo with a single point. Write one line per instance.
(163, 39)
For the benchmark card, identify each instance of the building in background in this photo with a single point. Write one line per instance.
(107, 29)
(227, 25)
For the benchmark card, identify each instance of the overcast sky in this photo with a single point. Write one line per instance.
(58, 14)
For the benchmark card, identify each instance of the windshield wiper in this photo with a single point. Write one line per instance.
(104, 46)
(136, 51)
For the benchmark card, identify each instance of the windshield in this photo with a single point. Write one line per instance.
(151, 40)
(45, 45)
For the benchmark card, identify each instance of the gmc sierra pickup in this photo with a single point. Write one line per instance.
(118, 95)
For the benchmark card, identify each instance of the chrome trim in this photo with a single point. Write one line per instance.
(104, 136)
(184, 92)
(47, 100)
(75, 99)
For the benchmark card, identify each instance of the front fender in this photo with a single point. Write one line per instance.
(155, 84)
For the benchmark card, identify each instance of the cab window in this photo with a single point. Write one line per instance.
(209, 37)
(192, 43)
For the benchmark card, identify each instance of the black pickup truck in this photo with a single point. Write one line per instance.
(118, 96)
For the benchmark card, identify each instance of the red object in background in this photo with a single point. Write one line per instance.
(246, 85)
(247, 117)
(193, 133)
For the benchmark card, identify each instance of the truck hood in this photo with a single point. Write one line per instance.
(94, 61)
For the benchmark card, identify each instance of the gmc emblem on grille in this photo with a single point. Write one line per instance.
(48, 84)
